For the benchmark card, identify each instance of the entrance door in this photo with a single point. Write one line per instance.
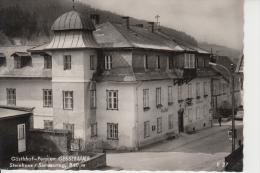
(21, 138)
(181, 129)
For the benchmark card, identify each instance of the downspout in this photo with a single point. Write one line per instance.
(137, 117)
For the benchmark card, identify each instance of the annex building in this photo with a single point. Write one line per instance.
(129, 86)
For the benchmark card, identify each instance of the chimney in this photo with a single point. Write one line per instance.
(95, 19)
(140, 25)
(151, 26)
(126, 21)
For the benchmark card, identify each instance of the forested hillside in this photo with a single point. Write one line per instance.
(29, 21)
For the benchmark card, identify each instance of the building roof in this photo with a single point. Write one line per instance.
(21, 54)
(73, 21)
(34, 71)
(39, 48)
(10, 113)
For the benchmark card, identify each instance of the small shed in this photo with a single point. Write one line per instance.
(14, 127)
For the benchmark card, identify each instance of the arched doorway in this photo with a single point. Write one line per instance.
(180, 120)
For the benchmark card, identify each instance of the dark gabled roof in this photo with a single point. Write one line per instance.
(73, 21)
(21, 54)
(10, 113)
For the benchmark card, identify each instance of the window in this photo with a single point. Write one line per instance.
(146, 98)
(159, 125)
(179, 92)
(190, 115)
(146, 129)
(197, 90)
(158, 96)
(204, 62)
(170, 60)
(48, 124)
(189, 91)
(93, 99)
(158, 62)
(47, 62)
(205, 88)
(112, 99)
(145, 62)
(47, 98)
(17, 62)
(205, 111)
(70, 128)
(108, 62)
(92, 62)
(220, 88)
(170, 121)
(189, 61)
(2, 61)
(112, 131)
(67, 99)
(198, 113)
(214, 90)
(93, 129)
(11, 96)
(67, 62)
(169, 94)
(224, 89)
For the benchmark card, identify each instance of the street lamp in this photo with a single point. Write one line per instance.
(233, 99)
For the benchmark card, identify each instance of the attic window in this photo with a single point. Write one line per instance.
(21, 59)
(2, 61)
(189, 61)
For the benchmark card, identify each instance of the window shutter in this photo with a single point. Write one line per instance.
(72, 99)
(63, 99)
(117, 100)
(110, 61)
(64, 59)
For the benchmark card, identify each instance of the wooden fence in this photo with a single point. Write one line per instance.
(233, 158)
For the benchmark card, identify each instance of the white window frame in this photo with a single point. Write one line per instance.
(68, 100)
(93, 99)
(67, 62)
(94, 130)
(158, 96)
(112, 100)
(112, 131)
(146, 129)
(47, 98)
(159, 125)
(189, 61)
(11, 96)
(198, 113)
(170, 100)
(146, 98)
(189, 90)
(108, 62)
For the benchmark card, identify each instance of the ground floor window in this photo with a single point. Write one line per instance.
(205, 110)
(69, 127)
(198, 113)
(170, 121)
(93, 129)
(48, 124)
(159, 125)
(146, 129)
(112, 131)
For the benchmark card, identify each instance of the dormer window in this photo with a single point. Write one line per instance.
(21, 59)
(145, 62)
(2, 60)
(189, 61)
(47, 61)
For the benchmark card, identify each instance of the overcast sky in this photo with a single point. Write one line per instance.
(216, 21)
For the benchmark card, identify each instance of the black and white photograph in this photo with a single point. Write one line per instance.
(128, 85)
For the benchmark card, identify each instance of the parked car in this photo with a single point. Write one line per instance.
(239, 115)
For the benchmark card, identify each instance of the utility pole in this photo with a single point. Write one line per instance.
(233, 109)
(157, 21)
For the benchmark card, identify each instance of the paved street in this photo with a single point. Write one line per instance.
(196, 152)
